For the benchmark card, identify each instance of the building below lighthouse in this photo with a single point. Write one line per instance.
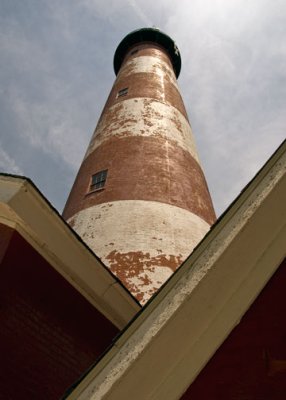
(140, 200)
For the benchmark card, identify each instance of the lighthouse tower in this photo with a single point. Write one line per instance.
(140, 199)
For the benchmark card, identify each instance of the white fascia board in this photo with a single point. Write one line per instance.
(170, 341)
(24, 209)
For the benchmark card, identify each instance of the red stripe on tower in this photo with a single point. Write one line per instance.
(140, 199)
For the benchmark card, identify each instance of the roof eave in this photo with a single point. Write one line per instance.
(24, 208)
(202, 302)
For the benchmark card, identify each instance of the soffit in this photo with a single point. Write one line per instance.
(23, 208)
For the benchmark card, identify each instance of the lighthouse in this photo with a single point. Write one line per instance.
(140, 199)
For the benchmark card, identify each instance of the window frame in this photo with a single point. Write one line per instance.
(98, 181)
(122, 92)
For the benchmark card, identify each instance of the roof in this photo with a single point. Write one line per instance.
(148, 35)
(202, 302)
(25, 209)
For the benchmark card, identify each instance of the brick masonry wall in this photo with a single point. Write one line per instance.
(49, 333)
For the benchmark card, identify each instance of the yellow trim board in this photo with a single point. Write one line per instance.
(23, 208)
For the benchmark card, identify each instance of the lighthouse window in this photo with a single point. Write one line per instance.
(98, 180)
(122, 92)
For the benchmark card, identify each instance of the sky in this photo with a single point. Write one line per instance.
(56, 71)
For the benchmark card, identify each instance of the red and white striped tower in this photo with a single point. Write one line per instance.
(140, 199)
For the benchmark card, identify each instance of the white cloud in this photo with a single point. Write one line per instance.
(8, 164)
(41, 88)
(52, 128)
(139, 12)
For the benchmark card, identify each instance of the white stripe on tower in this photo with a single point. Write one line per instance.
(144, 117)
(158, 237)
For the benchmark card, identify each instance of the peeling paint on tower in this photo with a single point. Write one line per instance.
(153, 207)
